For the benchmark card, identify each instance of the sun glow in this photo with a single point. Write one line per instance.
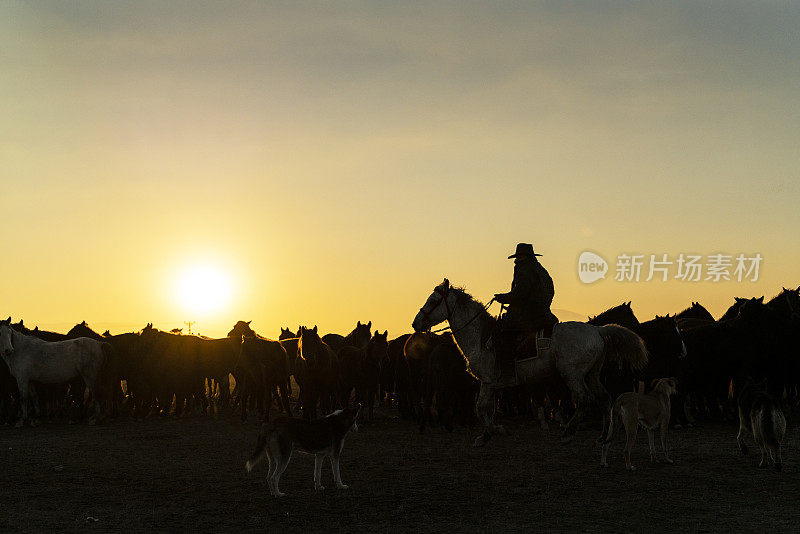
(203, 289)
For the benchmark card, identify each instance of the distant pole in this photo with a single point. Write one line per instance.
(189, 324)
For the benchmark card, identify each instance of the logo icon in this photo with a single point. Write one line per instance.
(591, 267)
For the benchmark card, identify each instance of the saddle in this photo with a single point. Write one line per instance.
(530, 348)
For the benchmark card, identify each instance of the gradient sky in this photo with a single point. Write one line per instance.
(339, 159)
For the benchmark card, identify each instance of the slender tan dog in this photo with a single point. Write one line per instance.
(651, 410)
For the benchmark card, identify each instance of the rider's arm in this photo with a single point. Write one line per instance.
(520, 290)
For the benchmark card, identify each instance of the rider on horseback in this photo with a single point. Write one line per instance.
(528, 303)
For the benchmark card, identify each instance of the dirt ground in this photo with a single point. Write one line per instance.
(187, 474)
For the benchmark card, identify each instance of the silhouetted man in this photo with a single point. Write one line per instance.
(528, 302)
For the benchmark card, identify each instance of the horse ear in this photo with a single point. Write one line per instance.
(760, 300)
(315, 329)
(358, 323)
(386, 333)
(248, 322)
(369, 324)
(446, 283)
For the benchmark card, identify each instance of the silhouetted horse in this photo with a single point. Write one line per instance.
(358, 338)
(394, 376)
(31, 359)
(360, 369)
(723, 353)
(733, 311)
(111, 379)
(694, 315)
(316, 371)
(622, 315)
(262, 368)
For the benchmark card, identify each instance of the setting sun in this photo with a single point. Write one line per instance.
(203, 289)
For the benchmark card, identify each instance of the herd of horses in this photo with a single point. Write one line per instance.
(429, 378)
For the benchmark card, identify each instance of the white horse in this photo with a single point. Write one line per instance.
(577, 353)
(52, 362)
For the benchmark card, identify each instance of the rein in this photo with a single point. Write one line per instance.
(448, 327)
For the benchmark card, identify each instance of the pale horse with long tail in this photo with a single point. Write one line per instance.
(578, 351)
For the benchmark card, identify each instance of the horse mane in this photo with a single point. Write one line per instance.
(463, 297)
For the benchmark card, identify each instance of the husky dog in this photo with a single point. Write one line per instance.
(322, 437)
(651, 410)
(759, 411)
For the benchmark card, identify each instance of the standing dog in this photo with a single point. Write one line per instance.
(761, 413)
(322, 437)
(651, 410)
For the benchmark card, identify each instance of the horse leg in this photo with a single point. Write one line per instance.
(284, 393)
(484, 408)
(601, 396)
(581, 396)
(24, 395)
(94, 391)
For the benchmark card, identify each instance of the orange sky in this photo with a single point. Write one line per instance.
(338, 160)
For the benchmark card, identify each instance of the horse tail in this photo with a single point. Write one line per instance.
(624, 345)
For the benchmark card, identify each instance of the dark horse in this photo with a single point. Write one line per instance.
(263, 367)
(358, 337)
(360, 369)
(316, 371)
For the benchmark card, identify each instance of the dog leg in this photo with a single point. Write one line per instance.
(282, 461)
(651, 438)
(740, 435)
(604, 456)
(318, 458)
(336, 475)
(664, 429)
(630, 431)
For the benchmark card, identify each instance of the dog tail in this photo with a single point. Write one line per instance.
(261, 447)
(624, 345)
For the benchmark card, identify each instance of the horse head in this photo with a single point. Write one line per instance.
(360, 335)
(6, 345)
(241, 328)
(288, 334)
(668, 340)
(621, 315)
(378, 347)
(309, 344)
(435, 310)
